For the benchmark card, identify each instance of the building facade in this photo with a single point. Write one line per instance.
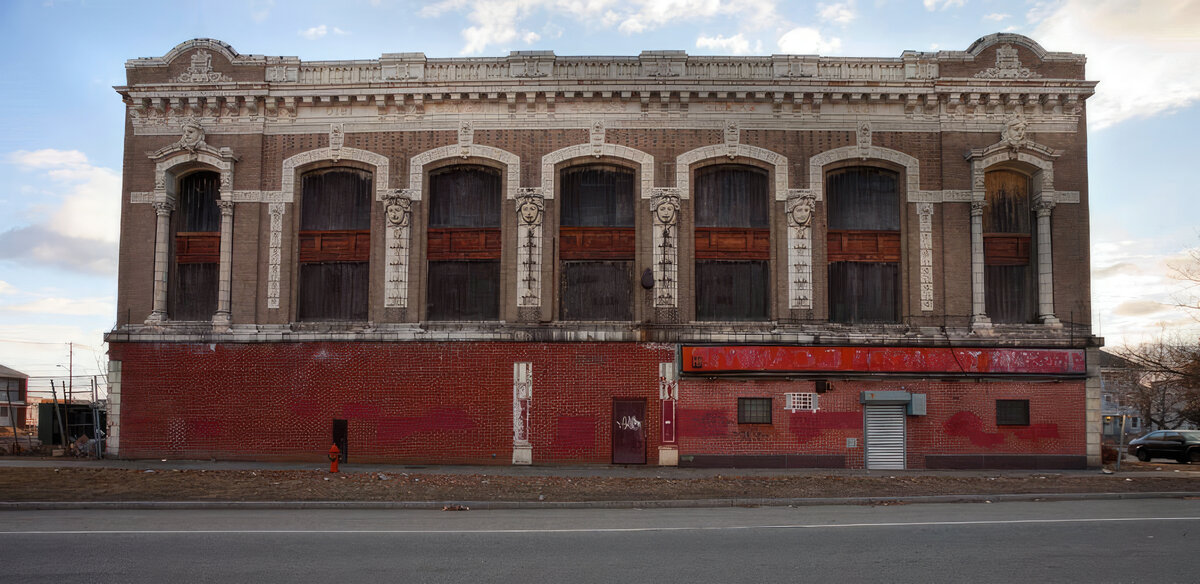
(662, 259)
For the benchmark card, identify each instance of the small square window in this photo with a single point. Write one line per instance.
(805, 402)
(1012, 412)
(754, 410)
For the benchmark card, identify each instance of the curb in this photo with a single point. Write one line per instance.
(661, 504)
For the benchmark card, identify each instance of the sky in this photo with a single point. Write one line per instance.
(61, 135)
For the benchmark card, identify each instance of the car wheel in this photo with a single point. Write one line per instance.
(1192, 455)
(1142, 455)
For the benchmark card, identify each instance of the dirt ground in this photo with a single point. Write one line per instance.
(114, 484)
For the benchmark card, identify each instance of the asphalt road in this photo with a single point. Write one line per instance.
(1156, 540)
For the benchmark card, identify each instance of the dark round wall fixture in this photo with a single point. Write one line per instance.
(647, 278)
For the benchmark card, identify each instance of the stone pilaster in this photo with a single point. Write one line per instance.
(162, 249)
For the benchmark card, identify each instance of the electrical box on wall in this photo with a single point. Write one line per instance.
(916, 405)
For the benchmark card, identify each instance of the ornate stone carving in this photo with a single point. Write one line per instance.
(522, 396)
(397, 235)
(925, 213)
(733, 136)
(274, 253)
(596, 138)
(664, 206)
(466, 137)
(863, 137)
(530, 208)
(801, 204)
(193, 135)
(977, 208)
(163, 208)
(201, 71)
(1013, 134)
(337, 139)
(225, 206)
(1008, 66)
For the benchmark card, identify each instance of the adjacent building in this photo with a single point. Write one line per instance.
(792, 260)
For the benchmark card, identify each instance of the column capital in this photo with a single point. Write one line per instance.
(226, 207)
(163, 208)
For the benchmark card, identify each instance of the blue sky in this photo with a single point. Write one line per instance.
(61, 137)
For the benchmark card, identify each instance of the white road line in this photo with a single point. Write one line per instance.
(592, 530)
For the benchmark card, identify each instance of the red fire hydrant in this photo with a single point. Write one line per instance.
(334, 455)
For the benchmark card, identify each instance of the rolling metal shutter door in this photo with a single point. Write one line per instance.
(885, 436)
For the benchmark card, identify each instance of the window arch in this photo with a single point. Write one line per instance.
(1008, 247)
(596, 242)
(733, 241)
(863, 245)
(463, 241)
(197, 244)
(335, 245)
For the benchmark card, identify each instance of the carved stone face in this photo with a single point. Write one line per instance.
(665, 212)
(802, 213)
(398, 212)
(529, 212)
(192, 135)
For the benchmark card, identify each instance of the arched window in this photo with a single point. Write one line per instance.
(1008, 248)
(596, 243)
(464, 244)
(733, 243)
(335, 245)
(197, 241)
(863, 245)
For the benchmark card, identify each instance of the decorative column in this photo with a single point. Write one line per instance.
(274, 253)
(979, 317)
(162, 249)
(668, 395)
(1043, 207)
(224, 318)
(398, 205)
(925, 213)
(530, 208)
(800, 206)
(664, 204)
(522, 396)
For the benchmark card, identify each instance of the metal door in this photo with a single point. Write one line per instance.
(885, 436)
(629, 431)
(340, 438)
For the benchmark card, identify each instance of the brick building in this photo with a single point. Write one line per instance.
(664, 259)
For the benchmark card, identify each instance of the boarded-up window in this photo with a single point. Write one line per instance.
(197, 245)
(463, 244)
(596, 243)
(863, 245)
(335, 245)
(733, 243)
(1008, 248)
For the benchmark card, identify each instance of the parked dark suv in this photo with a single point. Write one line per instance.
(1181, 445)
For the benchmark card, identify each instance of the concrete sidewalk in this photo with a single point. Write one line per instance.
(1168, 469)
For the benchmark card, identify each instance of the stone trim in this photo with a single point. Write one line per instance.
(287, 187)
(644, 160)
(912, 167)
(664, 212)
(684, 162)
(416, 166)
(925, 214)
(530, 208)
(800, 206)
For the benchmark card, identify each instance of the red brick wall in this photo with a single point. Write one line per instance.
(405, 402)
(961, 419)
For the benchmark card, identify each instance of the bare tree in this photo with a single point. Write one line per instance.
(1164, 384)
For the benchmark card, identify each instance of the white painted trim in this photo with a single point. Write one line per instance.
(549, 161)
(416, 166)
(684, 162)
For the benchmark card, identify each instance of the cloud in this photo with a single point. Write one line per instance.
(840, 13)
(806, 41)
(38, 246)
(996, 16)
(736, 44)
(531, 37)
(943, 4)
(1139, 50)
(6, 288)
(315, 32)
(1140, 308)
(77, 225)
(495, 23)
(67, 306)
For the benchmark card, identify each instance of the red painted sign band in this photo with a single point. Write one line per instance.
(963, 361)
